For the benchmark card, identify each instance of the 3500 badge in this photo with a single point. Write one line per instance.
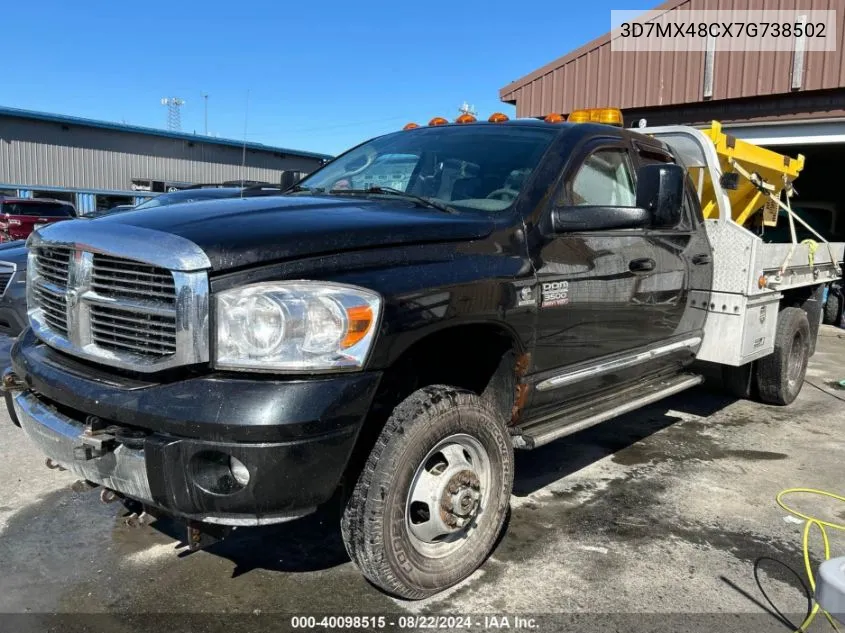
(554, 293)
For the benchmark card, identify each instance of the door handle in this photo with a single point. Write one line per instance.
(642, 265)
(701, 259)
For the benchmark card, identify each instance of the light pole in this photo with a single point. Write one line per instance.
(205, 101)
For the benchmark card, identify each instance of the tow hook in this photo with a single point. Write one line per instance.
(136, 520)
(201, 535)
(83, 485)
(10, 382)
(49, 463)
(109, 496)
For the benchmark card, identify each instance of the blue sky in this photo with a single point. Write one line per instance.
(321, 77)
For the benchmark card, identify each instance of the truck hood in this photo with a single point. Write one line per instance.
(240, 232)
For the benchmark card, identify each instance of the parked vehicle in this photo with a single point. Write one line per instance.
(13, 317)
(388, 332)
(18, 216)
(188, 195)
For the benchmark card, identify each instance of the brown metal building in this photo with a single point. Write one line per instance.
(793, 101)
(693, 87)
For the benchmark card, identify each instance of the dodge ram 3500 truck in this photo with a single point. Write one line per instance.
(399, 322)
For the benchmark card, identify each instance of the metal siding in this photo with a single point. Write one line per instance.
(593, 76)
(40, 153)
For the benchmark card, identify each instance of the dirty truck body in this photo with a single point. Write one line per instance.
(242, 362)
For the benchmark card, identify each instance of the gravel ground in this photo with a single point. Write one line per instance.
(652, 521)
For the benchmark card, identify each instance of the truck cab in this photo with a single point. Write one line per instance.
(384, 335)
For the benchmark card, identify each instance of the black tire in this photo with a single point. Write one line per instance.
(831, 309)
(377, 535)
(740, 381)
(780, 375)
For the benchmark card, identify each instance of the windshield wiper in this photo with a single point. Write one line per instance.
(300, 189)
(390, 191)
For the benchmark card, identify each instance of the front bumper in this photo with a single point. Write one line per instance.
(295, 437)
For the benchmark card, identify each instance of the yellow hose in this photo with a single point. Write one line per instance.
(821, 525)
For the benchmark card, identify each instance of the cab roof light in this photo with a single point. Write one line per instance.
(438, 120)
(579, 116)
(466, 118)
(410, 126)
(554, 117)
(498, 117)
(606, 116)
(609, 116)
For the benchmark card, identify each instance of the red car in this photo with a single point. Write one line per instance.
(19, 216)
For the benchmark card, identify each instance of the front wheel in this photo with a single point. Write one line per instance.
(433, 496)
(780, 375)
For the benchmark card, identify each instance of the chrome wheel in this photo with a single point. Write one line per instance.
(448, 495)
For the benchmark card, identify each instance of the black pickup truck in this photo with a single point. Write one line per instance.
(385, 334)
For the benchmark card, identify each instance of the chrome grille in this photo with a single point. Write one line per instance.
(7, 271)
(124, 296)
(128, 330)
(53, 306)
(53, 264)
(132, 280)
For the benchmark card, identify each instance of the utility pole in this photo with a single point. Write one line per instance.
(174, 114)
(205, 100)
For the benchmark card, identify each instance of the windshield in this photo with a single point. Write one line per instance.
(481, 167)
(38, 209)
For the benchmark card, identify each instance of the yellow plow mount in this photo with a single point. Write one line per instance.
(772, 171)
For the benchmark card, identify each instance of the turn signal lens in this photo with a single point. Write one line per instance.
(410, 126)
(359, 322)
(466, 118)
(438, 120)
(498, 117)
(762, 282)
(554, 117)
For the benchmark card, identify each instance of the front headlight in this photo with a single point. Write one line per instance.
(295, 326)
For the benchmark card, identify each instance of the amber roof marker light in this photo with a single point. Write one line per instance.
(466, 118)
(498, 117)
(438, 120)
(554, 117)
(410, 126)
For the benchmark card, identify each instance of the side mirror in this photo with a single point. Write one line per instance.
(660, 191)
(289, 179)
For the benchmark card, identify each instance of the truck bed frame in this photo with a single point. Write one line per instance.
(750, 276)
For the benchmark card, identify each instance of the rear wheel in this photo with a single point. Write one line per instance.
(780, 375)
(431, 501)
(831, 309)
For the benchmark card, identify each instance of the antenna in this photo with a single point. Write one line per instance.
(174, 114)
(205, 100)
(467, 109)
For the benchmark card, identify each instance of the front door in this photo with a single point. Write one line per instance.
(604, 295)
